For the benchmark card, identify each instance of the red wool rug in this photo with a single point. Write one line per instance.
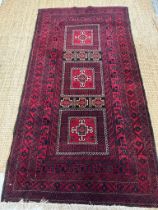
(83, 133)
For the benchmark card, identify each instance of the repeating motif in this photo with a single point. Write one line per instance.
(82, 77)
(82, 102)
(82, 55)
(104, 151)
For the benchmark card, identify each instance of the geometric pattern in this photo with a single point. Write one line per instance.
(82, 37)
(82, 102)
(83, 132)
(82, 55)
(82, 78)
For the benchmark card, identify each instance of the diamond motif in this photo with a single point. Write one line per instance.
(82, 78)
(82, 129)
(82, 102)
(68, 55)
(98, 102)
(66, 102)
(82, 37)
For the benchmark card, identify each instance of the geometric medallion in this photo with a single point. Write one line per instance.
(82, 37)
(82, 78)
(82, 130)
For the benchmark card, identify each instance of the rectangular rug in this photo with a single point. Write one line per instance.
(83, 132)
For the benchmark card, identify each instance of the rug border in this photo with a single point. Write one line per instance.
(27, 72)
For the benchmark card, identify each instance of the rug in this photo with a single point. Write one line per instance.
(83, 132)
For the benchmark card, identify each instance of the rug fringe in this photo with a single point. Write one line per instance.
(44, 205)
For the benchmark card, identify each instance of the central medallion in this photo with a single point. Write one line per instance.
(82, 78)
(82, 130)
(82, 37)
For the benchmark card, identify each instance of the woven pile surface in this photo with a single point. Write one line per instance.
(16, 43)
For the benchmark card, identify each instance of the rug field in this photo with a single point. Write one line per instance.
(83, 132)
